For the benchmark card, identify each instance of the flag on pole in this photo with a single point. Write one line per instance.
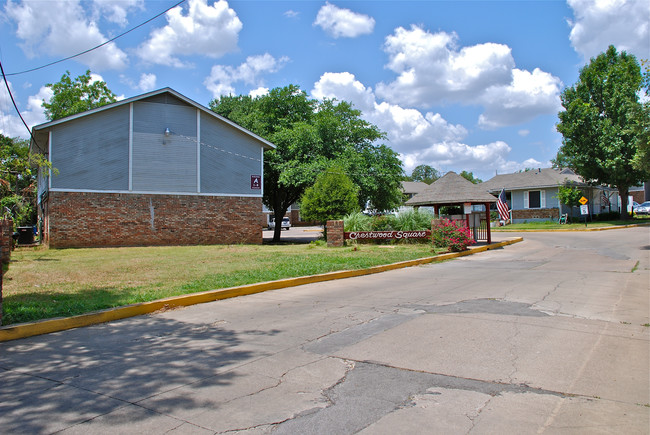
(605, 200)
(502, 206)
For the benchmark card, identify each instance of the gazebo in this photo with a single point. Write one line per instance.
(454, 190)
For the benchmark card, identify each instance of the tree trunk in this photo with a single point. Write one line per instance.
(623, 191)
(277, 217)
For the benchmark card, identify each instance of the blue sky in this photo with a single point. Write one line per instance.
(458, 85)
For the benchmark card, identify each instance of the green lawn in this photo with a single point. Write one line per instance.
(45, 283)
(553, 225)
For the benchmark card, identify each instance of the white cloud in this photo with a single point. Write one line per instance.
(33, 114)
(258, 92)
(432, 70)
(343, 23)
(528, 96)
(147, 82)
(601, 23)
(419, 139)
(48, 28)
(222, 77)
(115, 12)
(291, 14)
(523, 132)
(210, 31)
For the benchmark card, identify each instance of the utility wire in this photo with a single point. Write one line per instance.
(4, 78)
(96, 47)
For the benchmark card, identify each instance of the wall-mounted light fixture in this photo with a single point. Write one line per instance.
(168, 134)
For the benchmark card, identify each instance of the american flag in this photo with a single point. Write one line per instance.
(605, 199)
(502, 206)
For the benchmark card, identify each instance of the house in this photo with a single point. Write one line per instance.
(409, 190)
(532, 194)
(155, 169)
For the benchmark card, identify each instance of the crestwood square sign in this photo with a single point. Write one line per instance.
(386, 235)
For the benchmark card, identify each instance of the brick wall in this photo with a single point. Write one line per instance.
(6, 244)
(334, 234)
(536, 213)
(105, 219)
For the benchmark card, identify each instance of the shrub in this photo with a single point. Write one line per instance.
(357, 222)
(413, 220)
(448, 235)
(382, 223)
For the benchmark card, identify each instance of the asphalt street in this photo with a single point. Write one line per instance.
(549, 335)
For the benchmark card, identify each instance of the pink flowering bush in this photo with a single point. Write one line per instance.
(451, 236)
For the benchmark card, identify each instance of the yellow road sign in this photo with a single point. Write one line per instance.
(583, 200)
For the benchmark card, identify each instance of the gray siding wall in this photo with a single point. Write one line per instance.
(164, 164)
(228, 159)
(92, 152)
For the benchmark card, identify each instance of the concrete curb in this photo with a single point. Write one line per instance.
(617, 227)
(25, 330)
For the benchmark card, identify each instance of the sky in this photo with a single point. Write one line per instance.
(458, 85)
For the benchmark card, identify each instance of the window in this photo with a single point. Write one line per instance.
(535, 199)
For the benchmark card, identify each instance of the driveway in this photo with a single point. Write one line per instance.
(549, 335)
(295, 235)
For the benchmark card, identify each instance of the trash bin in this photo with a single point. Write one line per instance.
(25, 235)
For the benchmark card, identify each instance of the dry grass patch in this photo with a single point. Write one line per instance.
(42, 283)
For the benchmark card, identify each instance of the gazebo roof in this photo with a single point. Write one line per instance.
(452, 189)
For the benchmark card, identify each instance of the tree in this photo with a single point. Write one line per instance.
(332, 196)
(18, 170)
(470, 177)
(600, 140)
(569, 195)
(425, 174)
(310, 136)
(641, 124)
(75, 96)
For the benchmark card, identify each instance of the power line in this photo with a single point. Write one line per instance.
(97, 46)
(4, 78)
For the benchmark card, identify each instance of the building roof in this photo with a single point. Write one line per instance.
(413, 186)
(451, 189)
(534, 179)
(43, 127)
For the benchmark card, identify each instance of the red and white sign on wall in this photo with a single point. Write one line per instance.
(256, 182)
(386, 235)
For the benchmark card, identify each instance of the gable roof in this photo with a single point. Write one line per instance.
(540, 178)
(265, 143)
(451, 189)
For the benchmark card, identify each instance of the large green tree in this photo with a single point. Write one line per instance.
(469, 176)
(600, 139)
(309, 136)
(425, 174)
(72, 96)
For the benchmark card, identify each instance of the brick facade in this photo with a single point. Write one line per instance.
(76, 219)
(6, 245)
(536, 213)
(334, 234)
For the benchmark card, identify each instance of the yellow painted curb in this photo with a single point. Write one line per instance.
(25, 330)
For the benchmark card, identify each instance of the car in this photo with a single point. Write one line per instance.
(643, 208)
(286, 223)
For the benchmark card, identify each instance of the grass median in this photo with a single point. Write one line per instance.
(46, 283)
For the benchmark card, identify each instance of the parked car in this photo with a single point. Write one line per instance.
(286, 224)
(643, 208)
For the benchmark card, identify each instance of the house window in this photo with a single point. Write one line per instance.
(535, 199)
